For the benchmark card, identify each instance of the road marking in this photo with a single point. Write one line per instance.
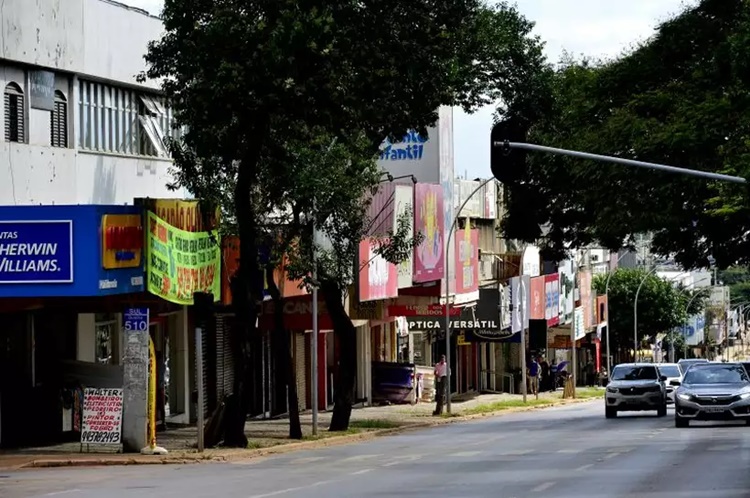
(680, 448)
(543, 487)
(571, 451)
(359, 472)
(485, 440)
(624, 449)
(55, 493)
(402, 459)
(611, 455)
(517, 453)
(584, 467)
(307, 460)
(359, 458)
(291, 490)
(723, 447)
(465, 454)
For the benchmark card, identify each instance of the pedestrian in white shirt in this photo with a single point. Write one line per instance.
(441, 372)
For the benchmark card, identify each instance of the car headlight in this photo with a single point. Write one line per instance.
(612, 389)
(685, 396)
(744, 395)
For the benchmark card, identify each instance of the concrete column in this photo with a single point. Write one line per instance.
(86, 338)
(135, 390)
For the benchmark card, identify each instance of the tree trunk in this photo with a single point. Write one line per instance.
(283, 354)
(247, 292)
(345, 332)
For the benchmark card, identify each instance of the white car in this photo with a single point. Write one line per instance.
(671, 371)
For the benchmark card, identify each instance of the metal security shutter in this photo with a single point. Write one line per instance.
(301, 368)
(224, 357)
(14, 114)
(59, 124)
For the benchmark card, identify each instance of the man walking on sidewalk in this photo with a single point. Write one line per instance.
(441, 371)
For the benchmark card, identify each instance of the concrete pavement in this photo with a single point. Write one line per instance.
(565, 452)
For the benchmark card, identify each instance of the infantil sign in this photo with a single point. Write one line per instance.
(36, 252)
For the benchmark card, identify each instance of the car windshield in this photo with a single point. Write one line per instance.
(634, 373)
(670, 371)
(716, 374)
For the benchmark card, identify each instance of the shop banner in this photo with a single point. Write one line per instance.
(102, 416)
(180, 263)
(467, 261)
(422, 310)
(36, 252)
(538, 299)
(403, 197)
(378, 279)
(552, 298)
(483, 319)
(429, 256)
(584, 278)
(578, 323)
(515, 305)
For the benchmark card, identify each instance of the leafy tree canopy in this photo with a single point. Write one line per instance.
(679, 98)
(661, 306)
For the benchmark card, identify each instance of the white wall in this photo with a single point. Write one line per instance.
(47, 175)
(92, 37)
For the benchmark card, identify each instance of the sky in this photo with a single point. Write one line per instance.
(597, 28)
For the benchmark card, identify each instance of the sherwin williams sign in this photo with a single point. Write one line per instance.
(36, 252)
(181, 263)
(429, 256)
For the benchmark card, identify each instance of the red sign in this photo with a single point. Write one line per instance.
(538, 299)
(422, 310)
(297, 314)
(467, 261)
(552, 299)
(378, 279)
(429, 220)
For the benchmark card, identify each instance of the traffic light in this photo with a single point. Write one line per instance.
(507, 164)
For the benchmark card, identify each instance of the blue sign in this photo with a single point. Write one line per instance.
(36, 252)
(411, 148)
(57, 251)
(135, 320)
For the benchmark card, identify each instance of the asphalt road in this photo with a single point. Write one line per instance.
(566, 452)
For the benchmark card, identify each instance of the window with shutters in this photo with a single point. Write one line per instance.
(123, 121)
(59, 122)
(15, 130)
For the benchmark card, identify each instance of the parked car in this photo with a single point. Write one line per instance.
(635, 387)
(713, 391)
(671, 371)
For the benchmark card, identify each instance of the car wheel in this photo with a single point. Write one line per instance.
(610, 412)
(681, 422)
(662, 411)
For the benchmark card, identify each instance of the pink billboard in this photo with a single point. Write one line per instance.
(378, 279)
(429, 256)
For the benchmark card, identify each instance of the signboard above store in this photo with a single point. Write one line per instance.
(122, 241)
(60, 251)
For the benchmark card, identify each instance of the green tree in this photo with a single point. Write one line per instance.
(285, 105)
(678, 98)
(661, 306)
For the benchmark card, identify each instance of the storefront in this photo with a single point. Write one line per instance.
(66, 273)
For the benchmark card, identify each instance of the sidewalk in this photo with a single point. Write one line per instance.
(271, 436)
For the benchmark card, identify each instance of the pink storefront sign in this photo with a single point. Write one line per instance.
(378, 279)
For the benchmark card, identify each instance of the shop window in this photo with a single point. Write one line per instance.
(420, 349)
(59, 122)
(14, 114)
(105, 328)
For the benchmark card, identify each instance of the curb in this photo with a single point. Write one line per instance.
(244, 454)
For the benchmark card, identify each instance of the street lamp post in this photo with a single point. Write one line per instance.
(447, 294)
(635, 313)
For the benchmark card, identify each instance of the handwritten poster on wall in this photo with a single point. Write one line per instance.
(102, 416)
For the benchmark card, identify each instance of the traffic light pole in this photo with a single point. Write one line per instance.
(507, 146)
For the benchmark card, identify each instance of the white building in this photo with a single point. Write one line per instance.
(77, 127)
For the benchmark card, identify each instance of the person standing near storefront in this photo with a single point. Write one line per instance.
(533, 375)
(441, 373)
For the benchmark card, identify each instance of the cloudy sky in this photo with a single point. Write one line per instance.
(590, 27)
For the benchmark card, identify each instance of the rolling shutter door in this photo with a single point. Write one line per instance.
(300, 355)
(224, 357)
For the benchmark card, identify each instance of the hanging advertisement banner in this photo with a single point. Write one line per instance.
(538, 299)
(102, 416)
(552, 299)
(180, 263)
(515, 305)
(586, 299)
(377, 278)
(578, 324)
(467, 262)
(403, 198)
(429, 256)
(506, 316)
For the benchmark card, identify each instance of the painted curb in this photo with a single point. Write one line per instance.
(243, 454)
